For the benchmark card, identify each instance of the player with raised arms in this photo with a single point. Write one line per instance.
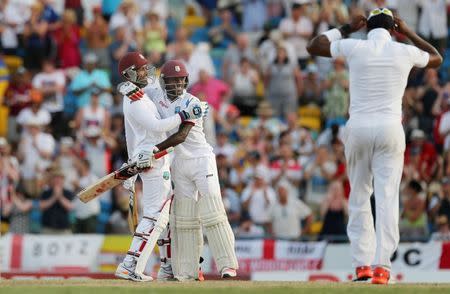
(374, 139)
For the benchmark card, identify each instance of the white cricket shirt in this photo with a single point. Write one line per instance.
(144, 127)
(379, 69)
(195, 144)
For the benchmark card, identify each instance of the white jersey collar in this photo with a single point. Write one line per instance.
(379, 34)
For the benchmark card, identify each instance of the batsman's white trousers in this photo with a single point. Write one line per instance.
(157, 187)
(374, 156)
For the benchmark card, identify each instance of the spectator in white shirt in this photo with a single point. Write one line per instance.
(287, 213)
(433, 23)
(127, 15)
(224, 147)
(52, 83)
(258, 196)
(297, 30)
(35, 153)
(35, 112)
(85, 213)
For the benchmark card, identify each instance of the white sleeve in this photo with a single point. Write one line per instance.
(245, 195)
(342, 48)
(443, 125)
(142, 112)
(302, 209)
(419, 58)
(36, 82)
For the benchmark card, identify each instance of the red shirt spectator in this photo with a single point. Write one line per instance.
(215, 91)
(421, 155)
(67, 39)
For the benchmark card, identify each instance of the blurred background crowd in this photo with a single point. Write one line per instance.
(276, 113)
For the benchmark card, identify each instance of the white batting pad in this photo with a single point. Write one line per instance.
(218, 231)
(160, 225)
(187, 238)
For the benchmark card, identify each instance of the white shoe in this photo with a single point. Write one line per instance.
(126, 273)
(228, 273)
(165, 273)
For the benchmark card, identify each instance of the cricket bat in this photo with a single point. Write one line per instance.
(113, 179)
(133, 211)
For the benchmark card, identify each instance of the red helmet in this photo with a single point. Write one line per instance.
(129, 65)
(174, 78)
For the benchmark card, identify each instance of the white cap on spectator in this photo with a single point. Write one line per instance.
(261, 172)
(67, 141)
(90, 58)
(417, 134)
(92, 131)
(3, 142)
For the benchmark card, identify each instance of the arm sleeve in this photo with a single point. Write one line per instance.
(302, 209)
(144, 115)
(342, 48)
(419, 58)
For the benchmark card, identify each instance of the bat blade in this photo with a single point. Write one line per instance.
(113, 179)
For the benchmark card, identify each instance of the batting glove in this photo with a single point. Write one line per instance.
(194, 111)
(130, 90)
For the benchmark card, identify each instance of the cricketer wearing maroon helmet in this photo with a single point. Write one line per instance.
(197, 199)
(144, 129)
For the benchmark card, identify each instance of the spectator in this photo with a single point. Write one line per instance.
(286, 170)
(233, 55)
(67, 39)
(56, 205)
(319, 173)
(302, 141)
(334, 211)
(93, 114)
(120, 45)
(37, 40)
(444, 205)
(284, 84)
(66, 160)
(224, 30)
(34, 111)
(89, 78)
(312, 90)
(420, 158)
(297, 29)
(14, 16)
(128, 17)
(232, 205)
(254, 15)
(443, 232)
(97, 38)
(17, 209)
(118, 221)
(245, 82)
(35, 154)
(248, 229)
(85, 213)
(155, 34)
(426, 96)
(224, 147)
(215, 91)
(175, 48)
(433, 23)
(413, 221)
(258, 196)
(336, 94)
(265, 120)
(287, 214)
(51, 82)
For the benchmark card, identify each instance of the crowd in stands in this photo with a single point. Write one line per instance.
(276, 119)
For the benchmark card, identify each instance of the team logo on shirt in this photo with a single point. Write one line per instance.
(166, 175)
(177, 68)
(177, 109)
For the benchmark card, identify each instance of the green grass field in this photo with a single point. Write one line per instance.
(216, 287)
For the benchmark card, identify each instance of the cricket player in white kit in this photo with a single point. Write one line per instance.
(374, 139)
(197, 201)
(144, 128)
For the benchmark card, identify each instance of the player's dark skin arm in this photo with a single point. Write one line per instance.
(320, 45)
(177, 138)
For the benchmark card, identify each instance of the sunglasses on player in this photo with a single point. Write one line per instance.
(381, 11)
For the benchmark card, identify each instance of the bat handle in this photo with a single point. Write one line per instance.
(162, 153)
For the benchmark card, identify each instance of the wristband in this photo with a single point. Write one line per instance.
(333, 35)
